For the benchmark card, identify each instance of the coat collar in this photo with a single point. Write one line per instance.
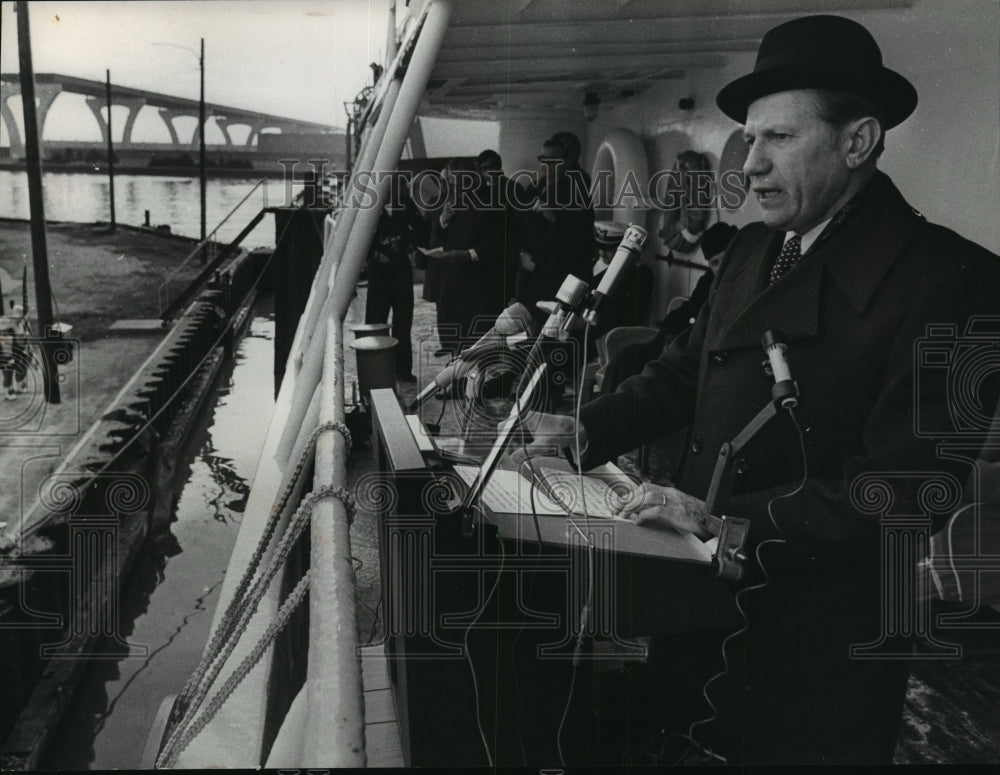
(857, 257)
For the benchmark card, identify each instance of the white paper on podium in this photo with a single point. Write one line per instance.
(507, 492)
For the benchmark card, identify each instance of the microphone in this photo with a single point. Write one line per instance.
(569, 298)
(629, 250)
(515, 319)
(454, 370)
(784, 391)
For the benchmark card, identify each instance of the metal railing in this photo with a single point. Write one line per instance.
(208, 249)
(325, 724)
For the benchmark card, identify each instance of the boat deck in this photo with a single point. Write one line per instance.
(381, 728)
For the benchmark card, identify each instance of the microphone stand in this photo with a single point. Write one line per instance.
(570, 298)
(733, 531)
(577, 304)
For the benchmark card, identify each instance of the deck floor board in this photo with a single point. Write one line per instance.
(382, 745)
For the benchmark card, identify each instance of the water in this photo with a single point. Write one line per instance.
(174, 201)
(171, 594)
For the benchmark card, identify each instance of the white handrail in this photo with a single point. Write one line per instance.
(309, 395)
(335, 722)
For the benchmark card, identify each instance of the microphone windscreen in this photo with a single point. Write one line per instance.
(515, 319)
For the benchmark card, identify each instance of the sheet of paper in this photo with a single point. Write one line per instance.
(509, 493)
(603, 487)
(599, 499)
(431, 251)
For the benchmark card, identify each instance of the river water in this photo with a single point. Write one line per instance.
(171, 201)
(172, 592)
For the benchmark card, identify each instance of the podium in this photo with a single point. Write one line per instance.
(481, 629)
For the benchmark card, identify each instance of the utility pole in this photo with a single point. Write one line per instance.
(111, 154)
(36, 205)
(201, 155)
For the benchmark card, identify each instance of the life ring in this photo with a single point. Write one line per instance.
(623, 198)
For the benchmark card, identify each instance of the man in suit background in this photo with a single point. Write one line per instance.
(854, 277)
(472, 269)
(556, 232)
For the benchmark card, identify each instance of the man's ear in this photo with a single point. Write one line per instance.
(861, 137)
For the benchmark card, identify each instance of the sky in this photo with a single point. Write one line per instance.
(295, 58)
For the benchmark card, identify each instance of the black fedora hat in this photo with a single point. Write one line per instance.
(820, 52)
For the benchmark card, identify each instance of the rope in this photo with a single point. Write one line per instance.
(235, 609)
(213, 663)
(244, 603)
(170, 753)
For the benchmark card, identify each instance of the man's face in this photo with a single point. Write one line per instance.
(796, 162)
(548, 160)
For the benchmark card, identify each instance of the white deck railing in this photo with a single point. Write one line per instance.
(325, 727)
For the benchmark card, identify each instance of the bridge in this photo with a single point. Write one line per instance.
(269, 135)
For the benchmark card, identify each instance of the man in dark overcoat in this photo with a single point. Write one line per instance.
(556, 223)
(860, 284)
(474, 286)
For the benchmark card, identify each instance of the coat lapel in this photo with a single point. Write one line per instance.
(872, 241)
(856, 258)
(790, 306)
(740, 283)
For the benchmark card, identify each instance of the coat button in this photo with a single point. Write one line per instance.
(720, 357)
(695, 445)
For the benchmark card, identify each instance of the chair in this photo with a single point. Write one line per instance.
(613, 342)
(608, 346)
(617, 339)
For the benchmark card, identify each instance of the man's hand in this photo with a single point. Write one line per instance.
(548, 431)
(447, 212)
(526, 261)
(652, 504)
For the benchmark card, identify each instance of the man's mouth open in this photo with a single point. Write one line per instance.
(765, 195)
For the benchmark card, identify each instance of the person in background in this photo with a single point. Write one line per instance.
(631, 359)
(628, 304)
(500, 193)
(471, 262)
(390, 276)
(556, 236)
(434, 189)
(14, 355)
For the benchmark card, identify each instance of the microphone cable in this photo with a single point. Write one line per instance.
(468, 656)
(531, 586)
(585, 611)
(489, 596)
(780, 540)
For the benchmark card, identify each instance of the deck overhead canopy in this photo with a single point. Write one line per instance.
(524, 57)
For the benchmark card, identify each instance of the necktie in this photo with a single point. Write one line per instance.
(790, 253)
